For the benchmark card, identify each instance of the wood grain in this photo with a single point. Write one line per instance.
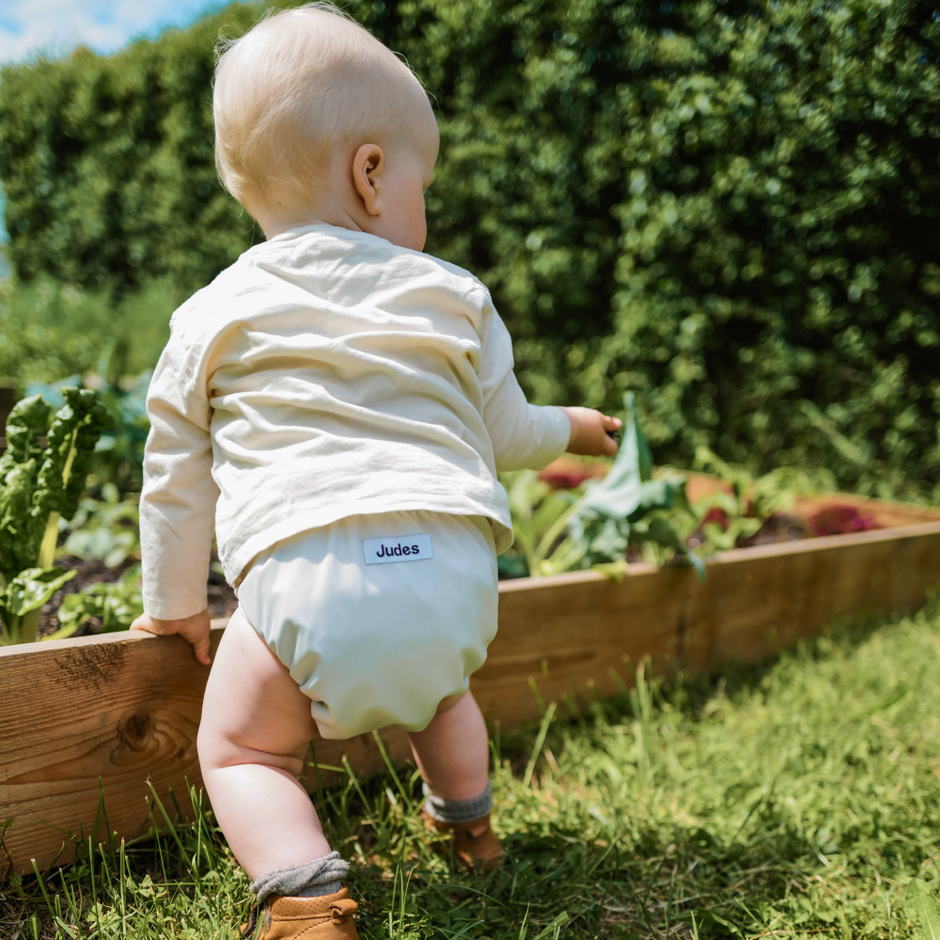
(124, 708)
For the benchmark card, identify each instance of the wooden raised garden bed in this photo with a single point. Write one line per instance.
(106, 715)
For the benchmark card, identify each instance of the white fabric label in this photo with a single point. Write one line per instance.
(398, 548)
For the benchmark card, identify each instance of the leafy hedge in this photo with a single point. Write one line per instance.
(730, 208)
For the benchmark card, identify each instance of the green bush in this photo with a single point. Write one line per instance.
(728, 207)
(49, 331)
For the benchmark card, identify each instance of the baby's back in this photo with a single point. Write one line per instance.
(342, 377)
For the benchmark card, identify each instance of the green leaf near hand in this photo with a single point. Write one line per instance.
(609, 515)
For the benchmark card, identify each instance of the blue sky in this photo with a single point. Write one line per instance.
(58, 26)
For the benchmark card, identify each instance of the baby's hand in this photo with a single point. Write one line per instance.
(195, 629)
(589, 432)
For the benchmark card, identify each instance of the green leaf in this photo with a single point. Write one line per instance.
(74, 431)
(26, 422)
(921, 904)
(625, 507)
(35, 483)
(31, 588)
(19, 536)
(619, 494)
(116, 604)
(75, 610)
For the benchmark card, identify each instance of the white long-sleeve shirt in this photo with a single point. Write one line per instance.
(327, 373)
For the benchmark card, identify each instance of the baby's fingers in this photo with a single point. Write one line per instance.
(201, 650)
(611, 442)
(149, 625)
(194, 630)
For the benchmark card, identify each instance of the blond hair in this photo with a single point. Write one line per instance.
(292, 89)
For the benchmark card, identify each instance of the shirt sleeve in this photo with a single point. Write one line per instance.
(177, 505)
(523, 435)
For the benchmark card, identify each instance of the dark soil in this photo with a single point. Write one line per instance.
(777, 528)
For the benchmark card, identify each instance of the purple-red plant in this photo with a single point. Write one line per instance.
(840, 520)
(564, 480)
(718, 517)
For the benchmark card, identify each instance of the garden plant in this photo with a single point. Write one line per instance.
(557, 532)
(39, 485)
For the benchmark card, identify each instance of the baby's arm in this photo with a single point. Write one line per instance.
(529, 436)
(177, 512)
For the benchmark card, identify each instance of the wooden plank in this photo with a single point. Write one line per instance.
(763, 599)
(124, 708)
(118, 707)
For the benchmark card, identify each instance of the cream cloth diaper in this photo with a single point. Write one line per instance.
(377, 617)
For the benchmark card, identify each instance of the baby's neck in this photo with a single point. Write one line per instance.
(276, 224)
(283, 212)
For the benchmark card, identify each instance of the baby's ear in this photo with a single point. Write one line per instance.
(368, 165)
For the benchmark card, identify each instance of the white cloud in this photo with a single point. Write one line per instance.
(58, 26)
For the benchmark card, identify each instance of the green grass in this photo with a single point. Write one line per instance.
(797, 800)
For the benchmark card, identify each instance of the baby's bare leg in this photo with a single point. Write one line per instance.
(453, 757)
(255, 730)
(452, 752)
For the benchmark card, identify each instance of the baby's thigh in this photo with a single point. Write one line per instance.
(253, 709)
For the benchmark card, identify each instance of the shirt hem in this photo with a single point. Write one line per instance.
(236, 566)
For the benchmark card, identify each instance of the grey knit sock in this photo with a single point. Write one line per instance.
(310, 880)
(458, 811)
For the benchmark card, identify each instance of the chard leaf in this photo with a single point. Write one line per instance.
(18, 531)
(74, 431)
(602, 522)
(31, 588)
(26, 422)
(35, 482)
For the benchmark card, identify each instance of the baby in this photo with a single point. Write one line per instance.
(334, 407)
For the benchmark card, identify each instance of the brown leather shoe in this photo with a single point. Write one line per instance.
(474, 843)
(329, 917)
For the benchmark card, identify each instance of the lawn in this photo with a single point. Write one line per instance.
(796, 800)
